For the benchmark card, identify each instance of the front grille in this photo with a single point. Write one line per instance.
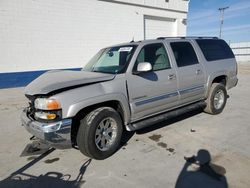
(31, 107)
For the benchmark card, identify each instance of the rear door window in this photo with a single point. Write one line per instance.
(184, 54)
(215, 49)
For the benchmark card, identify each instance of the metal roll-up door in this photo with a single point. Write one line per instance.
(159, 27)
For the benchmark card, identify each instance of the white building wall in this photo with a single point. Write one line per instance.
(46, 34)
(181, 5)
(241, 51)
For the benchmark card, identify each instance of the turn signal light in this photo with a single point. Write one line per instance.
(51, 116)
(53, 105)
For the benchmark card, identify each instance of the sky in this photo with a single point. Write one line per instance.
(204, 19)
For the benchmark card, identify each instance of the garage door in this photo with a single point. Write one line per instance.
(159, 27)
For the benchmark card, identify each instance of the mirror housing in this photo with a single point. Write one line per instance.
(144, 67)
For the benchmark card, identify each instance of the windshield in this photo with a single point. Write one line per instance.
(111, 60)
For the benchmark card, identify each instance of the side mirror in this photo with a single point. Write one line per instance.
(144, 67)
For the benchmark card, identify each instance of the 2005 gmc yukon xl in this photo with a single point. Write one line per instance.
(128, 86)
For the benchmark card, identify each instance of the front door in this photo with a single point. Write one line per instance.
(155, 91)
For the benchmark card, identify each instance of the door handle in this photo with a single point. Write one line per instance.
(198, 72)
(171, 76)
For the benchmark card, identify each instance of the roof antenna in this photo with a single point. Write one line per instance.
(133, 40)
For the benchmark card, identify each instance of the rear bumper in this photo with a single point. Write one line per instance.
(56, 134)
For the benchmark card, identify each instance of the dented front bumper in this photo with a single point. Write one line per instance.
(56, 134)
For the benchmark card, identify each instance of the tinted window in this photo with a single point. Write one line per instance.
(215, 49)
(184, 54)
(154, 54)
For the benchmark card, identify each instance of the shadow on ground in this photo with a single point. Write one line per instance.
(129, 134)
(170, 121)
(198, 171)
(50, 179)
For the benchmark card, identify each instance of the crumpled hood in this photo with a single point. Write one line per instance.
(56, 80)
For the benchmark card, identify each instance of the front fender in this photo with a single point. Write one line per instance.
(122, 99)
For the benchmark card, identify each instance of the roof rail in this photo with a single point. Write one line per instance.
(135, 41)
(162, 38)
(182, 37)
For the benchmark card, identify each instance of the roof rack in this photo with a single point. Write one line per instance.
(183, 37)
(134, 41)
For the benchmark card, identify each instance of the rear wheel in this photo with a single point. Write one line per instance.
(217, 99)
(100, 133)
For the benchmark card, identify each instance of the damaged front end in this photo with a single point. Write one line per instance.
(43, 119)
(57, 134)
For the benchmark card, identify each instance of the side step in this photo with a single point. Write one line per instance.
(165, 116)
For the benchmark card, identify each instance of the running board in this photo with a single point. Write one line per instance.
(165, 116)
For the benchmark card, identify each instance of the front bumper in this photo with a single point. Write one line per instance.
(56, 134)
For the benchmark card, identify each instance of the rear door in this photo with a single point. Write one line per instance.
(155, 91)
(191, 77)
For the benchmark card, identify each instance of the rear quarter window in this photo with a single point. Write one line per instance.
(215, 49)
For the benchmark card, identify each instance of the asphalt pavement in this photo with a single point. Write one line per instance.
(171, 154)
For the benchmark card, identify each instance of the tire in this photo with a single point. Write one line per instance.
(101, 127)
(217, 93)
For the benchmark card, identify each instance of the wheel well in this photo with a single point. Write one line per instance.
(220, 79)
(83, 112)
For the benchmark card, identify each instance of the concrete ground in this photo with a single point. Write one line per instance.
(151, 158)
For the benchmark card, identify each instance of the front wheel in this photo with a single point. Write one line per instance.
(100, 132)
(217, 99)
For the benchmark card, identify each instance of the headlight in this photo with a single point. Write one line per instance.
(46, 115)
(47, 109)
(47, 104)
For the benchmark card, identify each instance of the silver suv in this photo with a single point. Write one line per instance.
(128, 87)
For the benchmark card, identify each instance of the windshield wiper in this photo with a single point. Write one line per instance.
(102, 72)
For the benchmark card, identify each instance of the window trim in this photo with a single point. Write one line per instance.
(165, 49)
(197, 57)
